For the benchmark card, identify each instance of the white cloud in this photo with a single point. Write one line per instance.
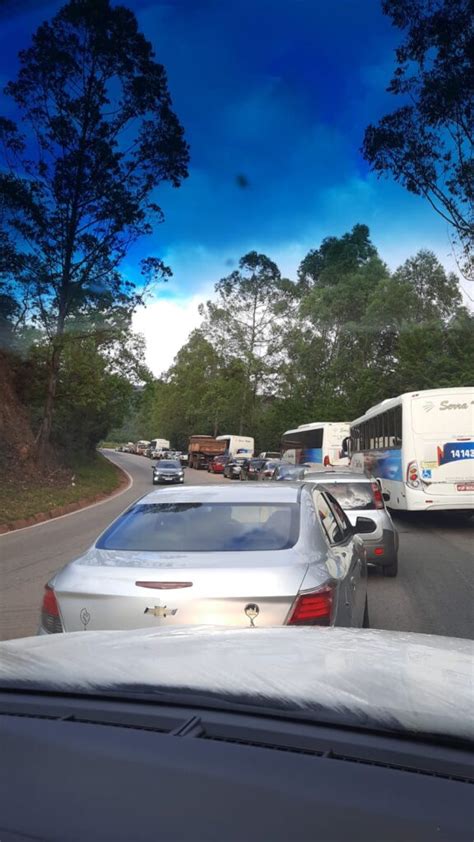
(166, 324)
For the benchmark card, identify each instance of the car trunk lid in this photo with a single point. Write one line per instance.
(113, 590)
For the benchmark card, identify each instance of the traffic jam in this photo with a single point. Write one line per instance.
(282, 538)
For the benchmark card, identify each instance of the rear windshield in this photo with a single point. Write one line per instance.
(167, 463)
(352, 495)
(202, 527)
(294, 471)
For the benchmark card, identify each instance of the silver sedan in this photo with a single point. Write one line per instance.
(360, 495)
(242, 555)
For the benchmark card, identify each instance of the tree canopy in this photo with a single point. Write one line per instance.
(347, 334)
(78, 181)
(427, 143)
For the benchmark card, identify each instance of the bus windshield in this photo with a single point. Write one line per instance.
(300, 446)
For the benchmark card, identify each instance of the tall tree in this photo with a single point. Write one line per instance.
(336, 256)
(198, 394)
(427, 144)
(329, 347)
(79, 188)
(245, 322)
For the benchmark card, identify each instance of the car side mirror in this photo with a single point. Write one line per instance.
(364, 525)
(386, 496)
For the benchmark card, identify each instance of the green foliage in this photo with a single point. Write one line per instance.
(345, 336)
(79, 188)
(94, 388)
(246, 323)
(336, 256)
(426, 144)
(85, 479)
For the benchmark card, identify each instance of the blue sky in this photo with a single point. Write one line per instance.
(279, 92)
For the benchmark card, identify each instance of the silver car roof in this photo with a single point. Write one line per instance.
(228, 493)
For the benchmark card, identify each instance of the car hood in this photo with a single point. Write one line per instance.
(365, 678)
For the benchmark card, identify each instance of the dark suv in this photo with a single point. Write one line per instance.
(250, 468)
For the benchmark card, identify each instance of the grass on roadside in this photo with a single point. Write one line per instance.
(22, 498)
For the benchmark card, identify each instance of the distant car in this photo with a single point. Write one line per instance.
(217, 465)
(269, 454)
(267, 469)
(289, 473)
(168, 471)
(360, 496)
(233, 466)
(250, 469)
(272, 555)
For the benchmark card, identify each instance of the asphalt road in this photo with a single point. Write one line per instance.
(433, 593)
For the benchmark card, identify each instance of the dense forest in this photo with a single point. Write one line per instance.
(272, 353)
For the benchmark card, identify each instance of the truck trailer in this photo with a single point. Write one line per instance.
(202, 449)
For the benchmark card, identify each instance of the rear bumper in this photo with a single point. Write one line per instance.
(388, 543)
(426, 501)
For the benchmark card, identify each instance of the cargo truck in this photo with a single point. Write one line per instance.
(202, 450)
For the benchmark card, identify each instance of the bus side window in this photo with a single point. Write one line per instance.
(398, 426)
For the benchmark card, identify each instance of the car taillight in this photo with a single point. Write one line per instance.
(377, 495)
(326, 461)
(312, 608)
(413, 480)
(50, 617)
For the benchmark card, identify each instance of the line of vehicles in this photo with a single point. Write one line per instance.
(233, 619)
(279, 552)
(419, 447)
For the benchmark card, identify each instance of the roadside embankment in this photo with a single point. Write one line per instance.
(25, 500)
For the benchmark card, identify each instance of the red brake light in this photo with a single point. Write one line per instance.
(326, 461)
(312, 608)
(378, 499)
(50, 616)
(413, 479)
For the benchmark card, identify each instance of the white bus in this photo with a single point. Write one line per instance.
(158, 445)
(320, 444)
(420, 447)
(238, 445)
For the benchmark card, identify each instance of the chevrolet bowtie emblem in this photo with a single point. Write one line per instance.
(252, 611)
(160, 611)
